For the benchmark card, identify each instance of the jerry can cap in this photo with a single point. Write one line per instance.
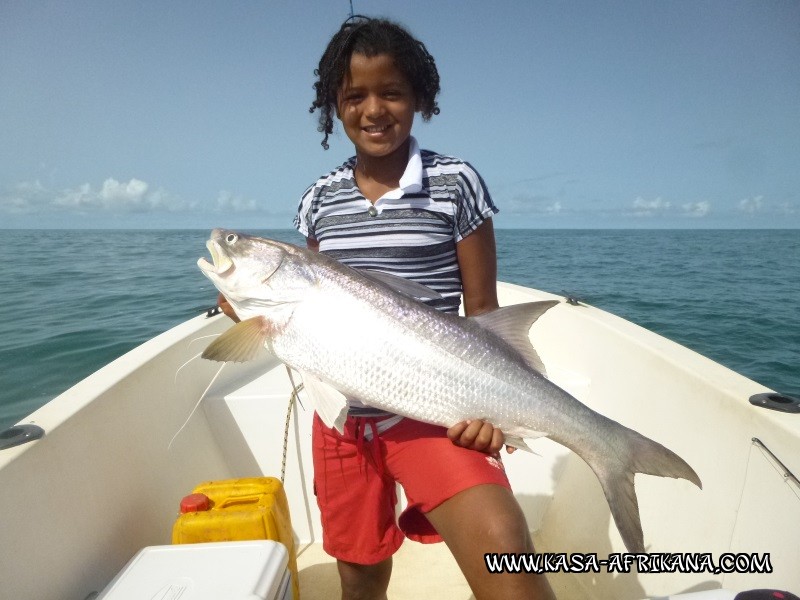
(195, 503)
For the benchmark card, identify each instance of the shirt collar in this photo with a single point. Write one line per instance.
(411, 181)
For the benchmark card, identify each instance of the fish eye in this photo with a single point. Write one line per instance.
(231, 238)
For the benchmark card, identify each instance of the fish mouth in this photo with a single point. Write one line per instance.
(222, 264)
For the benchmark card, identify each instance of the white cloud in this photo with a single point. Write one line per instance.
(132, 194)
(532, 204)
(658, 207)
(228, 202)
(751, 205)
(80, 197)
(649, 208)
(24, 198)
(697, 209)
(113, 196)
(554, 208)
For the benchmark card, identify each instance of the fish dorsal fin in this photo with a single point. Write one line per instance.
(240, 343)
(512, 324)
(402, 285)
(330, 403)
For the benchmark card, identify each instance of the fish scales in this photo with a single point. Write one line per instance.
(396, 367)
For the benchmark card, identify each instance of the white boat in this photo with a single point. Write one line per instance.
(104, 482)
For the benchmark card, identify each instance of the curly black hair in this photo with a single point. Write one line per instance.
(372, 37)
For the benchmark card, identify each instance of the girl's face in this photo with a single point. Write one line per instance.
(376, 105)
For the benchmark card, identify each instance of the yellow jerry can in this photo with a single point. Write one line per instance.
(253, 508)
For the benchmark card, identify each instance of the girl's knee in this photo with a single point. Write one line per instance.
(365, 582)
(509, 532)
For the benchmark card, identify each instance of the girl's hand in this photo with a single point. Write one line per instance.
(478, 435)
(226, 308)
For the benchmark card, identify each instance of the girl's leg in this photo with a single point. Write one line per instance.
(483, 519)
(357, 506)
(365, 582)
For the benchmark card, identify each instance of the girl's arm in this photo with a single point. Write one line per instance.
(477, 260)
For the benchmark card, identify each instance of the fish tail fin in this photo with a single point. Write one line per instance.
(633, 453)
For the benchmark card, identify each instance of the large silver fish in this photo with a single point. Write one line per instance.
(363, 335)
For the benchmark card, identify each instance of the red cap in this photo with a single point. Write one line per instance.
(195, 503)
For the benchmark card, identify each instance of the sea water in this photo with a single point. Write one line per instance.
(75, 300)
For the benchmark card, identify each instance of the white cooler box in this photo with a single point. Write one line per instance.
(251, 570)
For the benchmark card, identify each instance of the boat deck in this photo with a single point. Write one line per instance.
(418, 571)
(411, 574)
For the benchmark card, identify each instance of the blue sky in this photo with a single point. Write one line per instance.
(577, 113)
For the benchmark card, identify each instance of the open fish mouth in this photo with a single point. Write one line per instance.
(221, 266)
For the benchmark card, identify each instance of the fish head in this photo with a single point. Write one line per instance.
(243, 267)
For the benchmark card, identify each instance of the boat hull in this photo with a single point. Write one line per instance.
(105, 482)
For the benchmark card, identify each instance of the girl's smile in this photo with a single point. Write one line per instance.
(376, 105)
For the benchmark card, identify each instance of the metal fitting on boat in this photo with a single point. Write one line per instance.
(775, 401)
(19, 434)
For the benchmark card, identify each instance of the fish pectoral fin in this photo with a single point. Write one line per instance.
(404, 286)
(240, 343)
(518, 443)
(512, 323)
(330, 403)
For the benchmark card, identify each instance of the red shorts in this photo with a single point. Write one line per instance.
(354, 481)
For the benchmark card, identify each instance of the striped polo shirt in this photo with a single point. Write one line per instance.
(409, 232)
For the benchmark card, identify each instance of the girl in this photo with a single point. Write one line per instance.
(427, 217)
